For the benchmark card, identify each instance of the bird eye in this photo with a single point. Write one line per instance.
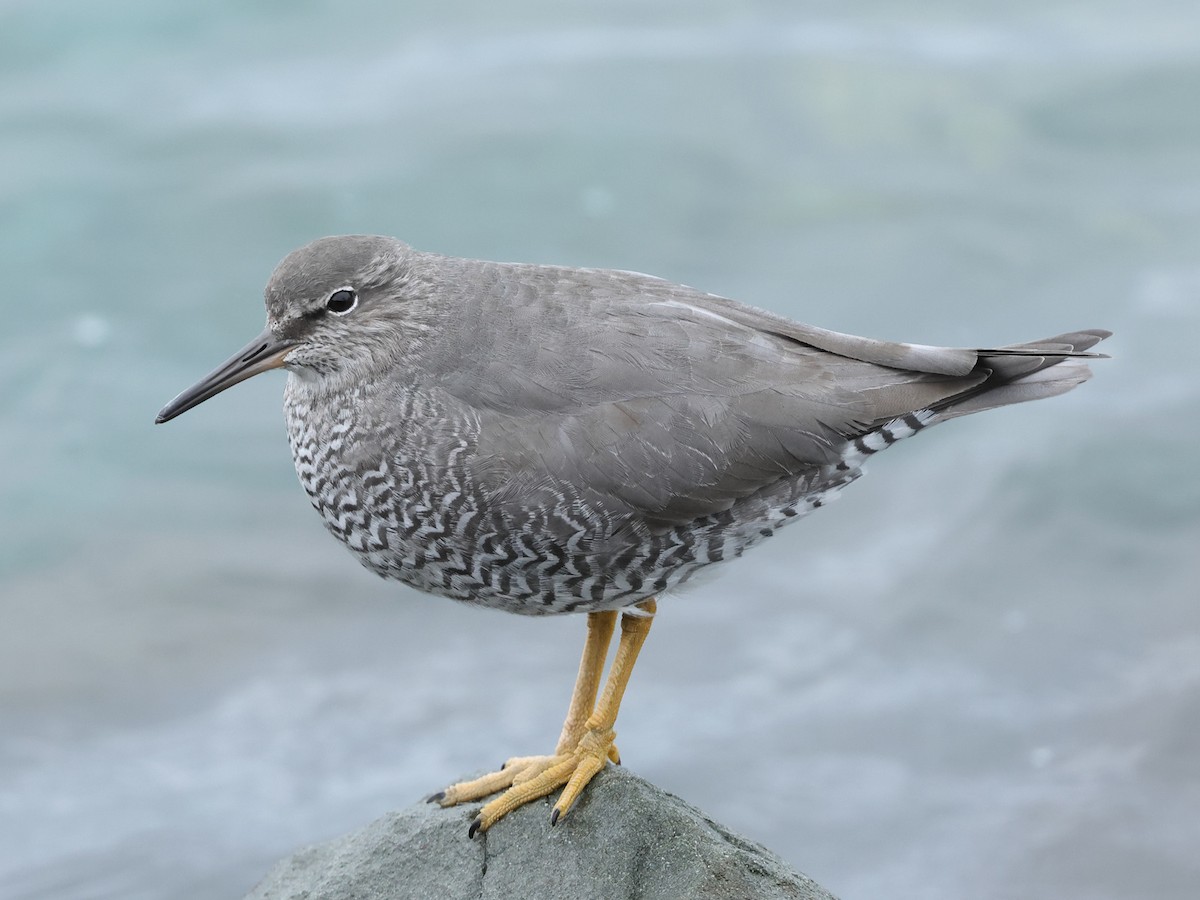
(341, 301)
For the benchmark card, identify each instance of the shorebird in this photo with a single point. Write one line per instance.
(547, 440)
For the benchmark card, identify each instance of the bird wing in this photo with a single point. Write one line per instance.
(668, 403)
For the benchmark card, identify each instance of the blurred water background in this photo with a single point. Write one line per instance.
(977, 675)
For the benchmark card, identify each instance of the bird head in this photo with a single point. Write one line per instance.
(333, 307)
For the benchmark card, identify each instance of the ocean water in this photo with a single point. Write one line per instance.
(977, 675)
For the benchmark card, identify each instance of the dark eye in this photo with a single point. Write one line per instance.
(341, 301)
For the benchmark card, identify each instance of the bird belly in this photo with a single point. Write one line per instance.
(419, 518)
(453, 545)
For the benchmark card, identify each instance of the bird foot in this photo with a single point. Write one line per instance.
(527, 778)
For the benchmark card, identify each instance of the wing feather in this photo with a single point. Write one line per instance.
(668, 404)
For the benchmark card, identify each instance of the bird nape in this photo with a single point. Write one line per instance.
(548, 440)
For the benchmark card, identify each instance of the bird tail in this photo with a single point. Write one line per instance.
(1023, 372)
(1000, 377)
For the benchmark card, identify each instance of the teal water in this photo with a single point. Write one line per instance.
(978, 675)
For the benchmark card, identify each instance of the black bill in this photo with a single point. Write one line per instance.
(263, 353)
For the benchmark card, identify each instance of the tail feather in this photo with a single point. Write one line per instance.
(1000, 377)
(1023, 372)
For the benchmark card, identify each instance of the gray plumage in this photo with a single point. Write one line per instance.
(549, 440)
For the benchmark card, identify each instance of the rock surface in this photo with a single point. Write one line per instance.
(624, 839)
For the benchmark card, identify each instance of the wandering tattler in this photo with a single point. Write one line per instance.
(547, 440)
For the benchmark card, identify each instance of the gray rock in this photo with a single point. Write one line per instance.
(624, 839)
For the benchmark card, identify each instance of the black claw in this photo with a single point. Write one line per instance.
(503, 764)
(474, 827)
(436, 798)
(554, 818)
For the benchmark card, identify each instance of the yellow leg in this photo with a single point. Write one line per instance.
(585, 745)
(597, 741)
(600, 627)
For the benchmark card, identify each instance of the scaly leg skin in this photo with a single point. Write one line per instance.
(600, 627)
(583, 698)
(584, 747)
